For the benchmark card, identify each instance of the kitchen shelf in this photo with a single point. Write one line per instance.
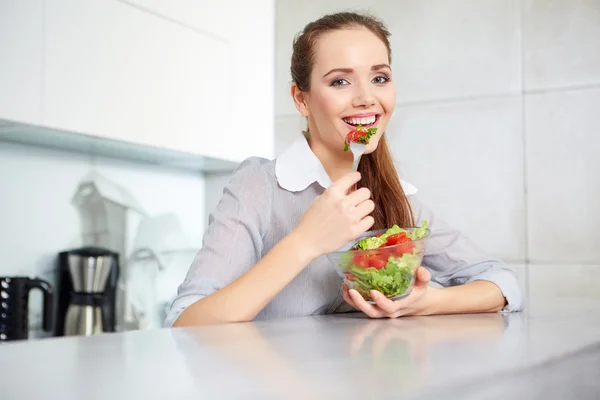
(31, 135)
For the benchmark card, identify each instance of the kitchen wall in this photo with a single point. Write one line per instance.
(496, 124)
(37, 218)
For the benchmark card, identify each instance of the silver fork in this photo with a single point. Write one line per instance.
(357, 149)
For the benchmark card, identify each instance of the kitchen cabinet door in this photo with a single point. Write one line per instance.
(21, 33)
(116, 71)
(209, 17)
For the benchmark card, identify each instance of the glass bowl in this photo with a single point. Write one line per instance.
(391, 270)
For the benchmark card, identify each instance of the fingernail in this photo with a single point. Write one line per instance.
(374, 294)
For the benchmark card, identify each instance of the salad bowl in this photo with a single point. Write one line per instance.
(382, 260)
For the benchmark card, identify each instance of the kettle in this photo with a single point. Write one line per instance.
(14, 302)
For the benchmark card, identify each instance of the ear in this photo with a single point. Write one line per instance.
(300, 99)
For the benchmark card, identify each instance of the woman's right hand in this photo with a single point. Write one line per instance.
(336, 217)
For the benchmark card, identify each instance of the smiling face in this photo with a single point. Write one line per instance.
(350, 84)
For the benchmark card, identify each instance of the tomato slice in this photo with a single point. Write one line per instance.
(361, 261)
(377, 263)
(397, 238)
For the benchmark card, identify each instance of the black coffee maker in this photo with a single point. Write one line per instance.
(14, 303)
(87, 291)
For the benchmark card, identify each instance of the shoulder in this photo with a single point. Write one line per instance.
(253, 180)
(254, 170)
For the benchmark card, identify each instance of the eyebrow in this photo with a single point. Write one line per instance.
(349, 70)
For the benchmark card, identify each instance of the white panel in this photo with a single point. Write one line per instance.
(132, 76)
(562, 45)
(467, 161)
(161, 191)
(21, 41)
(521, 270)
(563, 168)
(457, 48)
(441, 49)
(563, 282)
(208, 16)
(288, 129)
(252, 89)
(37, 217)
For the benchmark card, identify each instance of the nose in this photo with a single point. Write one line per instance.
(363, 97)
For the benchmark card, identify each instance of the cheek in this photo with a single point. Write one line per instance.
(388, 99)
(327, 104)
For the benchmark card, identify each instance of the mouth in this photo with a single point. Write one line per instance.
(369, 121)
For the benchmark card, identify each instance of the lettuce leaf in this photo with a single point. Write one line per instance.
(374, 242)
(419, 232)
(370, 243)
(392, 280)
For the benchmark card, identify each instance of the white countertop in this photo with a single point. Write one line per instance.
(551, 352)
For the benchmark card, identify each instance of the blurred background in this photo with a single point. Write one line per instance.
(122, 120)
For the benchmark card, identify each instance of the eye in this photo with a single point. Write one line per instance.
(339, 82)
(381, 79)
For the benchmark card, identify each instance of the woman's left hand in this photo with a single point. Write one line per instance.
(418, 302)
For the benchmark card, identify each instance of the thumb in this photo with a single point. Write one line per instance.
(423, 277)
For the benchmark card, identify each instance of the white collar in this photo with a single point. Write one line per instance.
(298, 167)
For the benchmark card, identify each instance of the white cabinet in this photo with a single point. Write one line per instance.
(21, 31)
(209, 17)
(186, 75)
(114, 71)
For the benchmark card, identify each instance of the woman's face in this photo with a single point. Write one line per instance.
(350, 85)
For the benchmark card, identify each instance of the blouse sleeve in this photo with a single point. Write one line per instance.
(453, 259)
(233, 241)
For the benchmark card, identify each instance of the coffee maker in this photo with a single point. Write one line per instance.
(14, 306)
(87, 289)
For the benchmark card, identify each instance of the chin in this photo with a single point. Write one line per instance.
(371, 148)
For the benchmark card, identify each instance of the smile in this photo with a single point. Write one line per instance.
(365, 121)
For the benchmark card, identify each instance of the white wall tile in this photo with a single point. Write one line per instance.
(456, 48)
(521, 270)
(466, 159)
(561, 43)
(161, 191)
(37, 217)
(563, 174)
(441, 49)
(288, 129)
(563, 282)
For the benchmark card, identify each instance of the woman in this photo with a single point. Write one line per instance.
(262, 250)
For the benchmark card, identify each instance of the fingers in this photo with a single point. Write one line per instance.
(362, 305)
(345, 183)
(365, 208)
(347, 297)
(423, 277)
(365, 224)
(387, 305)
(359, 196)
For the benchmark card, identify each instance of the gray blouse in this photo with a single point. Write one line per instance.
(263, 202)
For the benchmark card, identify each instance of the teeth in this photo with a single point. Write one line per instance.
(361, 121)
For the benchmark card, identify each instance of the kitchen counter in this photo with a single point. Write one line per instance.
(546, 352)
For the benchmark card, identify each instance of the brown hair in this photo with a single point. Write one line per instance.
(377, 169)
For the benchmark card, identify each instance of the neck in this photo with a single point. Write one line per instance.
(335, 164)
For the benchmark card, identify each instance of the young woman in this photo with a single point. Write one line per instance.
(261, 256)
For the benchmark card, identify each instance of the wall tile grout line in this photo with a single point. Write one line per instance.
(43, 70)
(524, 139)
